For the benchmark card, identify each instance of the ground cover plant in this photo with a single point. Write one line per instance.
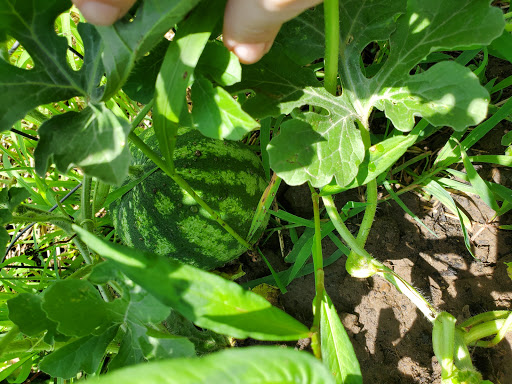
(340, 103)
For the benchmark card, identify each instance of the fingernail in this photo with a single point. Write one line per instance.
(250, 53)
(100, 13)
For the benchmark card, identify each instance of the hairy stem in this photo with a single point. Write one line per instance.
(152, 155)
(373, 266)
(86, 203)
(319, 275)
(332, 44)
(371, 196)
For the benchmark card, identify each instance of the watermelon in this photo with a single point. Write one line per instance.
(158, 216)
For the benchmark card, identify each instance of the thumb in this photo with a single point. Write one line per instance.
(103, 12)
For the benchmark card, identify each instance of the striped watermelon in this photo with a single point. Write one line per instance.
(158, 216)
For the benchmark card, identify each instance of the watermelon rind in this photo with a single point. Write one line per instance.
(158, 216)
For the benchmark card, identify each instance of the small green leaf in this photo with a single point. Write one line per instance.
(84, 354)
(93, 139)
(337, 351)
(219, 64)
(179, 64)
(208, 300)
(478, 183)
(262, 365)
(509, 270)
(216, 114)
(140, 86)
(4, 238)
(25, 310)
(129, 40)
(76, 306)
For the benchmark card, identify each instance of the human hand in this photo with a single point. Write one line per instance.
(250, 26)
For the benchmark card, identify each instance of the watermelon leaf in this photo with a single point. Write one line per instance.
(326, 143)
(93, 139)
(208, 300)
(76, 307)
(51, 79)
(129, 40)
(25, 310)
(84, 354)
(263, 365)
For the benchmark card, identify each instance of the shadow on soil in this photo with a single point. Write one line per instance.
(391, 337)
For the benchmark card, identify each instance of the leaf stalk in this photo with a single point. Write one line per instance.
(332, 44)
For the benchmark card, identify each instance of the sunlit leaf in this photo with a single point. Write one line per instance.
(337, 351)
(325, 144)
(216, 114)
(208, 300)
(129, 40)
(262, 365)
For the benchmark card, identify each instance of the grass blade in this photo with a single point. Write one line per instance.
(337, 351)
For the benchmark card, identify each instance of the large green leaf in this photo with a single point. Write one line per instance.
(176, 72)
(76, 307)
(129, 40)
(25, 310)
(137, 310)
(93, 139)
(31, 22)
(329, 145)
(84, 354)
(337, 351)
(208, 300)
(262, 365)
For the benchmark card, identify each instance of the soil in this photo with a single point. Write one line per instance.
(391, 338)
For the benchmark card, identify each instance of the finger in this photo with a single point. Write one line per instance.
(103, 12)
(250, 26)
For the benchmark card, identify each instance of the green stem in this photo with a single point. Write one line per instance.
(142, 114)
(332, 44)
(86, 203)
(319, 275)
(371, 266)
(371, 195)
(484, 330)
(164, 166)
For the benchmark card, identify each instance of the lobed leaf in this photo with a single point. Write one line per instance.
(25, 310)
(329, 146)
(31, 22)
(93, 139)
(76, 307)
(262, 365)
(208, 300)
(84, 354)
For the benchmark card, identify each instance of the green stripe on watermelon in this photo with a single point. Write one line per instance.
(156, 215)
